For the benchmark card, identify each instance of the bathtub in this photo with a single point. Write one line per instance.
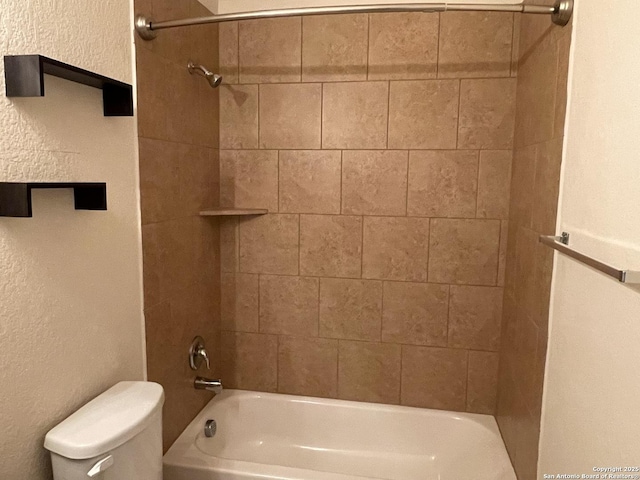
(284, 437)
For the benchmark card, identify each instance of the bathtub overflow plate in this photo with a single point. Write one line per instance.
(210, 428)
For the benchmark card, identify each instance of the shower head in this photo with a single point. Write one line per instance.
(213, 78)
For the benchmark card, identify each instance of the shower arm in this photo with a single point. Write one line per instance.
(201, 69)
(560, 13)
(213, 79)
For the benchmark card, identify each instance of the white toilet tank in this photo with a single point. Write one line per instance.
(116, 436)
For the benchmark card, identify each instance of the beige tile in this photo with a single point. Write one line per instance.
(374, 182)
(289, 305)
(228, 41)
(475, 44)
(423, 114)
(464, 251)
(229, 245)
(475, 316)
(547, 187)
(487, 113)
(151, 103)
(169, 259)
(239, 118)
(354, 115)
(494, 184)
(207, 127)
(249, 179)
(269, 244)
(239, 302)
(515, 44)
(308, 366)
(536, 94)
(482, 385)
(403, 46)
(334, 48)
(523, 185)
(205, 39)
(175, 46)
(270, 50)
(434, 377)
(197, 178)
(443, 183)
(250, 361)
(502, 255)
(159, 190)
(564, 45)
(331, 245)
(310, 181)
(159, 340)
(396, 248)
(182, 99)
(415, 313)
(369, 372)
(290, 116)
(350, 309)
(192, 313)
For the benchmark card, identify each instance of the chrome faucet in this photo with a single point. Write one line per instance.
(198, 353)
(201, 383)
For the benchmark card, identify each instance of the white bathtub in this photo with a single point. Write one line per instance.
(273, 436)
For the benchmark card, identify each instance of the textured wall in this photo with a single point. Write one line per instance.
(381, 146)
(70, 281)
(592, 368)
(178, 126)
(541, 102)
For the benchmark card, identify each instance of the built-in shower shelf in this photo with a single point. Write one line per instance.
(15, 198)
(24, 75)
(231, 212)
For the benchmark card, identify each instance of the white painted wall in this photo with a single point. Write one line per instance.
(70, 281)
(591, 412)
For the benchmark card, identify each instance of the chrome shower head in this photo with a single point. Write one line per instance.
(213, 78)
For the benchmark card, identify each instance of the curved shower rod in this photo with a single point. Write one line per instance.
(560, 13)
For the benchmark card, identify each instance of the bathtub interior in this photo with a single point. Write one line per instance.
(351, 439)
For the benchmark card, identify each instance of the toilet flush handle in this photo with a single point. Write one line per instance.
(100, 466)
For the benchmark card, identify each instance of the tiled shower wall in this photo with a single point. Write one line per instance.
(178, 129)
(541, 103)
(381, 145)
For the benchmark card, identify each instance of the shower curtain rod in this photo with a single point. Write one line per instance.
(560, 13)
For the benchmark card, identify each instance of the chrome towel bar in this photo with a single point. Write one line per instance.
(561, 244)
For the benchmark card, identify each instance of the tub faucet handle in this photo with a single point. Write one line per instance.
(198, 353)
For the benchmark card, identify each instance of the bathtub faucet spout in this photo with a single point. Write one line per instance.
(201, 383)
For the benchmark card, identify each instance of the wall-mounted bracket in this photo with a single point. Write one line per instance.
(24, 75)
(15, 198)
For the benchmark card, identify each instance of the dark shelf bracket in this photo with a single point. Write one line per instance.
(15, 198)
(24, 75)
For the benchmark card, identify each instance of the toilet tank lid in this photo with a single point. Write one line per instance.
(107, 421)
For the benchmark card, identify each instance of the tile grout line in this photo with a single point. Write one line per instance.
(438, 46)
(459, 109)
(341, 181)
(388, 111)
(299, 240)
(466, 387)
(479, 160)
(362, 247)
(368, 46)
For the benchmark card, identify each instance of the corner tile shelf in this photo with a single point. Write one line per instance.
(24, 75)
(15, 198)
(233, 212)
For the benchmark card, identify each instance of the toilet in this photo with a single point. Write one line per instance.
(116, 436)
